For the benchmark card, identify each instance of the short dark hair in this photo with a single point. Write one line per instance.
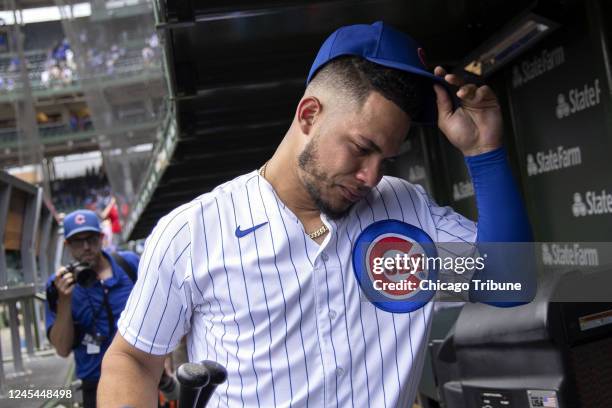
(357, 77)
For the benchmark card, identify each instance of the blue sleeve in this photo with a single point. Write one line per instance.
(502, 216)
(504, 232)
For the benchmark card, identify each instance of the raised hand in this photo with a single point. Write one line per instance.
(476, 126)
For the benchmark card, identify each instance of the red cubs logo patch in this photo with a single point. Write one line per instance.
(394, 258)
(79, 219)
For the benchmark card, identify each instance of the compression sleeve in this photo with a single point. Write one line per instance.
(502, 216)
(502, 219)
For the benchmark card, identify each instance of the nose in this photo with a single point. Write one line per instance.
(370, 172)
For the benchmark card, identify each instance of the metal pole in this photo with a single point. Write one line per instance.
(26, 307)
(15, 339)
(2, 375)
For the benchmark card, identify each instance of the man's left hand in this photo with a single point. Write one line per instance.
(476, 126)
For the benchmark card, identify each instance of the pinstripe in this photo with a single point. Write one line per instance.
(382, 363)
(459, 222)
(280, 283)
(263, 286)
(331, 330)
(399, 382)
(345, 313)
(248, 305)
(415, 211)
(282, 289)
(147, 309)
(229, 292)
(297, 279)
(147, 270)
(317, 326)
(409, 314)
(173, 330)
(212, 282)
(451, 234)
(129, 306)
(168, 296)
(365, 343)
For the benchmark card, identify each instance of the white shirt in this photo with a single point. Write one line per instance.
(281, 313)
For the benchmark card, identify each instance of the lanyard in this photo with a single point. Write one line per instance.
(109, 311)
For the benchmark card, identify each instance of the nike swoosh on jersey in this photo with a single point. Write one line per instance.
(241, 233)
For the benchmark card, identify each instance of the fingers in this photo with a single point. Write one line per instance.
(467, 92)
(64, 281)
(452, 79)
(485, 93)
(445, 105)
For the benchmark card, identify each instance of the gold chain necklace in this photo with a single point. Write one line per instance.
(316, 234)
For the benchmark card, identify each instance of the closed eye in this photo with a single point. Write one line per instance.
(361, 150)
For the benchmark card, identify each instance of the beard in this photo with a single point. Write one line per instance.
(315, 180)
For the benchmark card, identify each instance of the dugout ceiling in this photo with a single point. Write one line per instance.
(237, 70)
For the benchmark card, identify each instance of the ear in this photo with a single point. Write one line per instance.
(308, 110)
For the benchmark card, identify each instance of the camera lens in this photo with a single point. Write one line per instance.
(84, 275)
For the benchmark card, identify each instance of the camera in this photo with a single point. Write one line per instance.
(84, 274)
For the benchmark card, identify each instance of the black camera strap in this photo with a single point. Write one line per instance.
(109, 313)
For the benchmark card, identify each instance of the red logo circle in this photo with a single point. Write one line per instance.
(411, 255)
(79, 219)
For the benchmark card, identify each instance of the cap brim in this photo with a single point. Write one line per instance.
(429, 115)
(82, 229)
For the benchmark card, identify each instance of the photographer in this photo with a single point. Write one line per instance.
(86, 298)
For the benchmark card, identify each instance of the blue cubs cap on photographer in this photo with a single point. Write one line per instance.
(382, 45)
(81, 221)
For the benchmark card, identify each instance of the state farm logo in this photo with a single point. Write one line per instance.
(553, 160)
(578, 99)
(594, 204)
(569, 255)
(536, 66)
(462, 190)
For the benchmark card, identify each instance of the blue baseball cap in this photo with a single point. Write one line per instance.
(81, 221)
(383, 45)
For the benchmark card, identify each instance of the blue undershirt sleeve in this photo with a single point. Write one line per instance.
(502, 225)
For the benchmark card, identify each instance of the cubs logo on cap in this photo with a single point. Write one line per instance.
(388, 261)
(81, 221)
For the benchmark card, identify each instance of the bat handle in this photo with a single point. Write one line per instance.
(192, 377)
(218, 375)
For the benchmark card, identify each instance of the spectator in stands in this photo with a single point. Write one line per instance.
(66, 74)
(13, 65)
(147, 55)
(111, 212)
(74, 122)
(154, 41)
(82, 314)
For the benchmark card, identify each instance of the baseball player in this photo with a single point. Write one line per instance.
(258, 274)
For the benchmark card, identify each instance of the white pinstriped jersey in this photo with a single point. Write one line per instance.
(280, 312)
